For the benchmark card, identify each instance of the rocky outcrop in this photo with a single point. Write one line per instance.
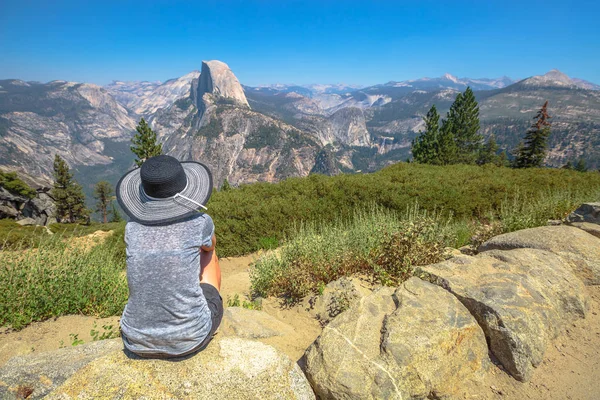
(252, 324)
(580, 249)
(418, 341)
(229, 368)
(40, 209)
(348, 126)
(238, 144)
(522, 299)
(587, 212)
(71, 119)
(336, 298)
(164, 95)
(40, 374)
(217, 79)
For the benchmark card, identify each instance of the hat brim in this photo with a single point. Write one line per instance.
(151, 211)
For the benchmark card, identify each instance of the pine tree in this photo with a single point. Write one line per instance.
(446, 145)
(568, 165)
(489, 152)
(67, 193)
(532, 151)
(580, 166)
(464, 119)
(144, 143)
(115, 214)
(425, 146)
(103, 193)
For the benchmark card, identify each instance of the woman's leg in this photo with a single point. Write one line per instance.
(210, 271)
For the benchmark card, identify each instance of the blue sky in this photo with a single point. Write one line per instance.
(361, 42)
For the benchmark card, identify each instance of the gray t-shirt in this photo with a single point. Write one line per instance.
(166, 313)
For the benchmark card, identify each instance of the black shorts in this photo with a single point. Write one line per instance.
(215, 305)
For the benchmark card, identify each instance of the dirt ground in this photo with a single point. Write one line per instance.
(571, 367)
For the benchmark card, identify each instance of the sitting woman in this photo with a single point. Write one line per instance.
(173, 273)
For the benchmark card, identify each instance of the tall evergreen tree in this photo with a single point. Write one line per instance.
(464, 118)
(532, 150)
(489, 152)
(67, 194)
(115, 214)
(425, 146)
(446, 145)
(144, 143)
(103, 193)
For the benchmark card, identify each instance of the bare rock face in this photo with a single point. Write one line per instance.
(39, 210)
(522, 299)
(580, 249)
(587, 212)
(216, 78)
(70, 119)
(418, 341)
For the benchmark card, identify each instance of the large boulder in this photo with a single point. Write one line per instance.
(579, 248)
(336, 298)
(39, 374)
(522, 299)
(587, 212)
(592, 229)
(252, 324)
(229, 368)
(418, 341)
(40, 209)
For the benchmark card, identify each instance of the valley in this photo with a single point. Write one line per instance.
(269, 133)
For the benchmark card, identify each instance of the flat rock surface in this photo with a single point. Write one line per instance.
(39, 374)
(591, 228)
(522, 299)
(579, 248)
(229, 368)
(415, 342)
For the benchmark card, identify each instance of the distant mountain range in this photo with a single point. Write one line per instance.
(268, 133)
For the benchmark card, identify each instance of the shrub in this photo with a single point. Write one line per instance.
(248, 213)
(13, 184)
(57, 278)
(379, 243)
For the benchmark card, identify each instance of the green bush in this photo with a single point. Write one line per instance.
(13, 184)
(379, 243)
(15, 236)
(57, 278)
(248, 213)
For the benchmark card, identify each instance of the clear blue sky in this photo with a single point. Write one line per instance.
(363, 42)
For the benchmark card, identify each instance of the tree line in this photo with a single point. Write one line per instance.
(68, 193)
(456, 140)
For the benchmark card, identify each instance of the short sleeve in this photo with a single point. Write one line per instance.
(207, 231)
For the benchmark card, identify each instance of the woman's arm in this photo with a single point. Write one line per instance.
(212, 246)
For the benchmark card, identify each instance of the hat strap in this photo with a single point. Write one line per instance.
(190, 200)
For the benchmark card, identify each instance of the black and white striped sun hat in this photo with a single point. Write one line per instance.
(164, 190)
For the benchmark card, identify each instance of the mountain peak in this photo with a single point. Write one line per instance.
(556, 78)
(450, 77)
(217, 78)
